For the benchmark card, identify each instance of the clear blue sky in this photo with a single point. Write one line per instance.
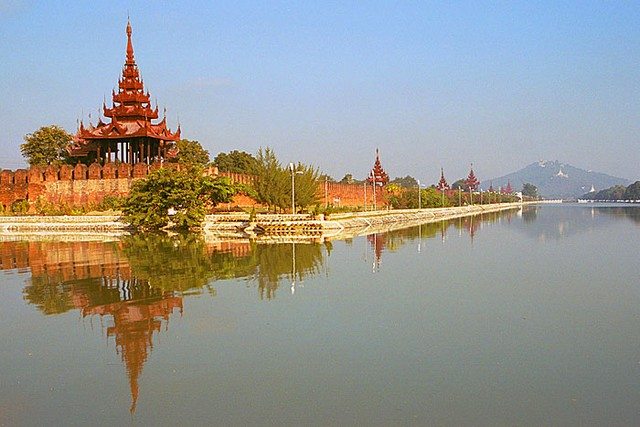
(499, 84)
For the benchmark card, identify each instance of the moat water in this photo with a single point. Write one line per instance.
(527, 317)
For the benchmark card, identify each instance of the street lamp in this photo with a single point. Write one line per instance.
(373, 181)
(294, 172)
(365, 194)
(419, 195)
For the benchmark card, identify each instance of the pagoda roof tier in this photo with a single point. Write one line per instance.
(378, 174)
(131, 96)
(130, 83)
(131, 113)
(125, 112)
(129, 129)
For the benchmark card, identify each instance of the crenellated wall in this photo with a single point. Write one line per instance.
(87, 186)
(342, 194)
(78, 185)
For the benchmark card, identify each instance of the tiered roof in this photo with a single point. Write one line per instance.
(471, 181)
(442, 184)
(378, 173)
(130, 112)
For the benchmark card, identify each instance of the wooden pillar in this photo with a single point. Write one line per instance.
(140, 152)
(98, 154)
(130, 152)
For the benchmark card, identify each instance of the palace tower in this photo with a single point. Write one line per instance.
(130, 136)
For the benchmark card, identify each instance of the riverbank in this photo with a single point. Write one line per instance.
(235, 225)
(342, 225)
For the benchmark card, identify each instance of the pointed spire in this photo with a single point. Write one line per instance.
(378, 174)
(471, 181)
(130, 59)
(442, 184)
(508, 189)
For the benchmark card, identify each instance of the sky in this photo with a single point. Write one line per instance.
(431, 84)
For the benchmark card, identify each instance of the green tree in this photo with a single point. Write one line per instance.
(530, 190)
(236, 161)
(46, 146)
(191, 153)
(633, 191)
(406, 182)
(617, 192)
(306, 185)
(272, 183)
(460, 184)
(174, 199)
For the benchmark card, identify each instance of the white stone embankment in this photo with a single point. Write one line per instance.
(237, 225)
(63, 225)
(347, 224)
(361, 219)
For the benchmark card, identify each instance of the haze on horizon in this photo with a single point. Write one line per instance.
(430, 84)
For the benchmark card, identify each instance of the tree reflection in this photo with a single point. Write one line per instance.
(134, 285)
(632, 213)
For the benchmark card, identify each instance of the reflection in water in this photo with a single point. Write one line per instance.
(559, 222)
(632, 213)
(136, 284)
(393, 240)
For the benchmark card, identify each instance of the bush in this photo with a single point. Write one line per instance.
(110, 203)
(20, 207)
(169, 198)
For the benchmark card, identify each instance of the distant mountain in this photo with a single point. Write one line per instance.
(555, 180)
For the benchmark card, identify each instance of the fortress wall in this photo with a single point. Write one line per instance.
(87, 186)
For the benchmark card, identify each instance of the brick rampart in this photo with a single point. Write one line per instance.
(87, 186)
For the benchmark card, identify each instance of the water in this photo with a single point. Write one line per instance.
(520, 318)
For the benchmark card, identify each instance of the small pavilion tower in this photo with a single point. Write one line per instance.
(471, 181)
(131, 136)
(378, 174)
(442, 184)
(508, 189)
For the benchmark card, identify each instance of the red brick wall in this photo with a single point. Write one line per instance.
(352, 195)
(87, 186)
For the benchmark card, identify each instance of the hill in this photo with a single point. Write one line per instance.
(557, 180)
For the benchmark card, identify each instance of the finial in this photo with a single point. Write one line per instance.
(130, 60)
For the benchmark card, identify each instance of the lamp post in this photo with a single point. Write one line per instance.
(459, 196)
(373, 181)
(442, 196)
(419, 195)
(326, 192)
(365, 194)
(294, 172)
